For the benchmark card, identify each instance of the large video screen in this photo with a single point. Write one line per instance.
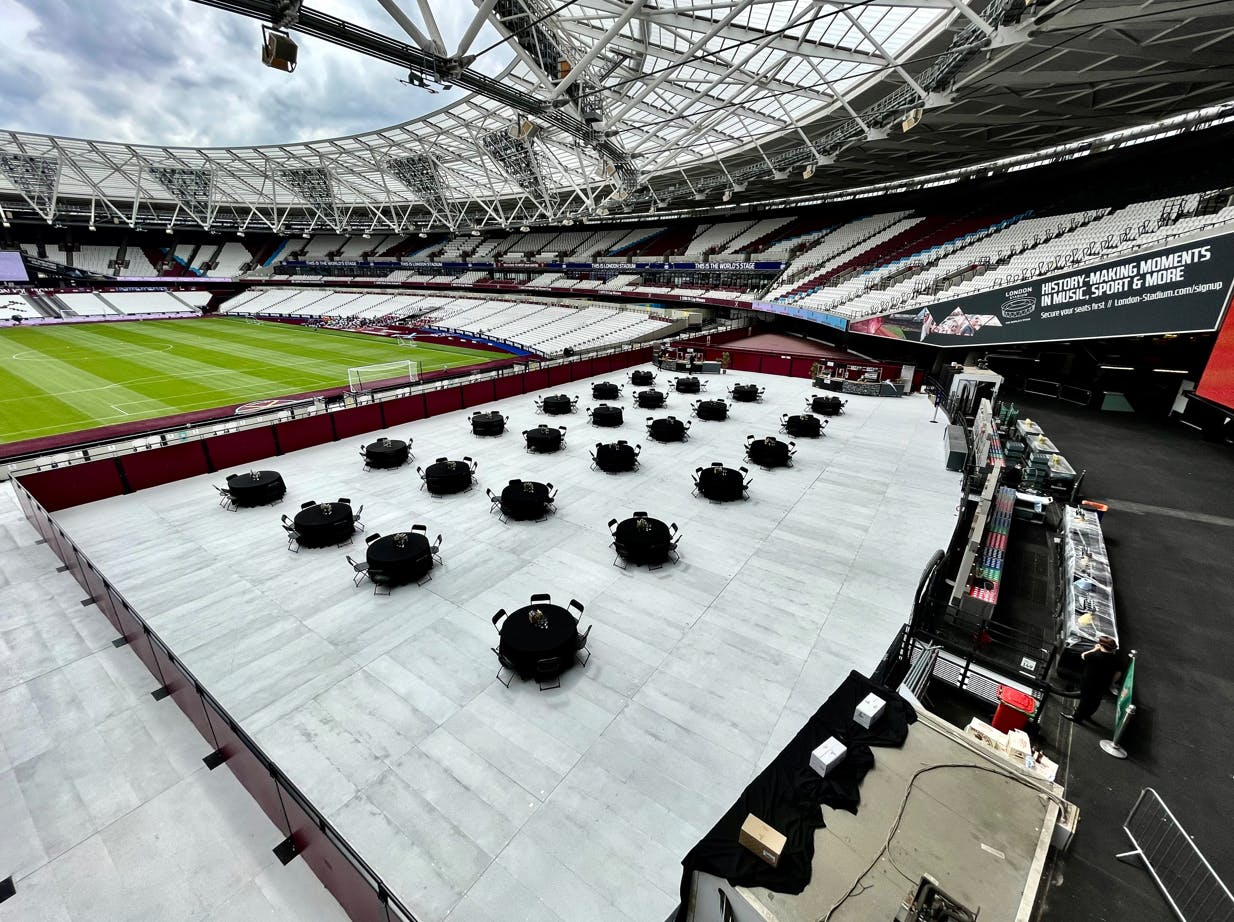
(12, 267)
(1217, 383)
(1178, 289)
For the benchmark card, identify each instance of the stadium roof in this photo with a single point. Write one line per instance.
(613, 106)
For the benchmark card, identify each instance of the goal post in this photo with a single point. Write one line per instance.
(386, 374)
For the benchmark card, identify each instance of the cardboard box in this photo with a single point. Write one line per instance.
(984, 733)
(1018, 746)
(827, 756)
(869, 710)
(761, 839)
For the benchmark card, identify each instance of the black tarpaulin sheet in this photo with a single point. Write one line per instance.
(789, 796)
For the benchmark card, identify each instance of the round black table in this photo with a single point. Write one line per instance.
(828, 406)
(324, 524)
(689, 385)
(525, 643)
(650, 399)
(444, 476)
(769, 452)
(667, 429)
(400, 558)
(556, 405)
(386, 453)
(745, 393)
(524, 500)
(722, 484)
(256, 488)
(613, 457)
(714, 410)
(804, 426)
(605, 390)
(488, 423)
(544, 439)
(606, 416)
(643, 540)
(642, 377)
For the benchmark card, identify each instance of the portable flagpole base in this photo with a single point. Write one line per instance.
(1111, 748)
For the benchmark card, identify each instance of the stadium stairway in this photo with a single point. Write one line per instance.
(798, 227)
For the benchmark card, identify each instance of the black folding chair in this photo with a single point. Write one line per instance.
(541, 597)
(504, 664)
(360, 568)
(580, 647)
(548, 669)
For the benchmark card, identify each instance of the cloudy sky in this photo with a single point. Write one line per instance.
(176, 72)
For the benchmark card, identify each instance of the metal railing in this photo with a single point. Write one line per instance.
(1187, 880)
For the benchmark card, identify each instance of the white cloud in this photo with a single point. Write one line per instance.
(180, 73)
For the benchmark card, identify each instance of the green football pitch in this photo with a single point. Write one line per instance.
(67, 377)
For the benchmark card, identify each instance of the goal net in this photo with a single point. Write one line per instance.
(387, 374)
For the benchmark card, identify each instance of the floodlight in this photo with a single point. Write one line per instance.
(92, 227)
(278, 50)
(808, 171)
(524, 228)
(728, 195)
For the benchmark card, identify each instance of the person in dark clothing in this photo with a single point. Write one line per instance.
(1100, 664)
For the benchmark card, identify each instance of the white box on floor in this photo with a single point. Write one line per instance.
(869, 710)
(827, 756)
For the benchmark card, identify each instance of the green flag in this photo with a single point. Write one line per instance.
(1124, 700)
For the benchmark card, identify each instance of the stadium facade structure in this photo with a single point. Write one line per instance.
(630, 108)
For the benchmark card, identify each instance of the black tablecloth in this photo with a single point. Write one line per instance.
(723, 484)
(647, 544)
(667, 429)
(745, 393)
(805, 426)
(557, 404)
(256, 488)
(488, 423)
(324, 524)
(605, 390)
(642, 377)
(524, 500)
(523, 643)
(688, 385)
(650, 400)
(715, 410)
(544, 439)
(787, 794)
(386, 453)
(768, 452)
(604, 415)
(828, 406)
(388, 562)
(616, 456)
(448, 476)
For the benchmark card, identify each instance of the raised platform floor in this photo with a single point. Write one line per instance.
(474, 801)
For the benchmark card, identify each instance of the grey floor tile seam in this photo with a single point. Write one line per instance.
(108, 825)
(51, 669)
(495, 858)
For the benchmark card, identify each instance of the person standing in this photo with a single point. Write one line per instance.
(1100, 663)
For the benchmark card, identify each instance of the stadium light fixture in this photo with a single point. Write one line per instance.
(92, 227)
(524, 228)
(728, 195)
(278, 50)
(167, 229)
(808, 171)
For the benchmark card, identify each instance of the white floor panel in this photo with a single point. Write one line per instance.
(107, 811)
(477, 802)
